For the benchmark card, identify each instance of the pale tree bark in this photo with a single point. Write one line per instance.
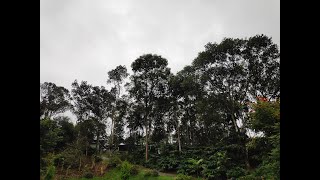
(178, 131)
(147, 134)
(113, 114)
(234, 122)
(179, 142)
(112, 130)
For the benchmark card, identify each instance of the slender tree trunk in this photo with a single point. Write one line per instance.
(190, 137)
(234, 122)
(97, 143)
(113, 115)
(80, 164)
(146, 121)
(112, 130)
(147, 134)
(179, 142)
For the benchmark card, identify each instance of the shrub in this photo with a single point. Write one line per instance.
(125, 170)
(71, 157)
(147, 173)
(114, 161)
(97, 159)
(249, 177)
(268, 170)
(88, 175)
(191, 166)
(168, 163)
(134, 170)
(136, 156)
(58, 160)
(183, 177)
(50, 173)
(236, 172)
(215, 166)
(152, 173)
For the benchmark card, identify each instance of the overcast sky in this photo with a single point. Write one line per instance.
(84, 39)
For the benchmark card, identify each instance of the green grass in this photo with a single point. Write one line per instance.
(114, 174)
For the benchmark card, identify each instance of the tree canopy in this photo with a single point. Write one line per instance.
(198, 121)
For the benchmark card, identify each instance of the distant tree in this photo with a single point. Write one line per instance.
(53, 99)
(148, 85)
(135, 125)
(50, 136)
(81, 100)
(177, 92)
(233, 73)
(263, 60)
(67, 131)
(119, 123)
(238, 70)
(86, 132)
(117, 76)
(188, 92)
(92, 103)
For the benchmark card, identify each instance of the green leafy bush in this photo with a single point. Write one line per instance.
(191, 167)
(71, 156)
(134, 170)
(269, 170)
(50, 173)
(125, 170)
(147, 174)
(183, 177)
(215, 166)
(236, 172)
(168, 163)
(249, 177)
(152, 173)
(58, 160)
(113, 161)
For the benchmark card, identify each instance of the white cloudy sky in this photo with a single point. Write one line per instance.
(84, 39)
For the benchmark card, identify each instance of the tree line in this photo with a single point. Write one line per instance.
(230, 90)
